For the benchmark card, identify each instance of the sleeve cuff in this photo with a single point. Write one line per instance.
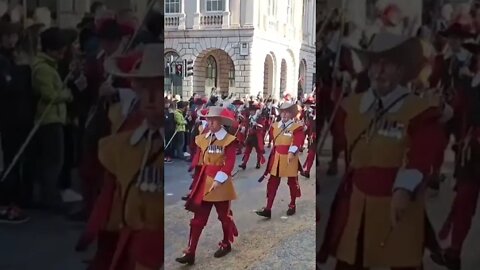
(447, 114)
(293, 149)
(408, 179)
(221, 177)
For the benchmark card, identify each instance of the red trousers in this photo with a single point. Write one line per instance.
(248, 151)
(461, 214)
(309, 161)
(200, 219)
(106, 246)
(272, 187)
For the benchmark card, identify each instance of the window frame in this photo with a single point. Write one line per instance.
(175, 3)
(217, 3)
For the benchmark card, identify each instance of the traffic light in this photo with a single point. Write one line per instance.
(188, 67)
(179, 69)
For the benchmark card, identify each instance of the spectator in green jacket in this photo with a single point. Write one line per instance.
(51, 112)
(181, 124)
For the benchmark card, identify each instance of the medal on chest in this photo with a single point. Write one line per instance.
(150, 180)
(392, 129)
(215, 149)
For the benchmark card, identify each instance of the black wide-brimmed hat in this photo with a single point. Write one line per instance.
(457, 30)
(474, 48)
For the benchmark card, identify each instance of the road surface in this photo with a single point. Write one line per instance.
(279, 243)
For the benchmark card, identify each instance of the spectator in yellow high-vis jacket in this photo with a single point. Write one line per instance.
(181, 124)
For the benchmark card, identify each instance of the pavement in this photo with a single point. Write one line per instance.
(438, 207)
(280, 243)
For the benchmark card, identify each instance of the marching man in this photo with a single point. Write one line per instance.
(135, 159)
(255, 136)
(283, 162)
(213, 185)
(378, 217)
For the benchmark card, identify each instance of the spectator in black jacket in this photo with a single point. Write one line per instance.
(16, 120)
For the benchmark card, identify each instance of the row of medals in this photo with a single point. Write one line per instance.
(150, 180)
(386, 128)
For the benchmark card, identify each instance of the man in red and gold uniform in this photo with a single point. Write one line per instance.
(213, 185)
(288, 137)
(312, 137)
(134, 159)
(378, 217)
(255, 136)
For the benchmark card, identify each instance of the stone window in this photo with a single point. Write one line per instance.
(231, 76)
(211, 78)
(172, 6)
(215, 5)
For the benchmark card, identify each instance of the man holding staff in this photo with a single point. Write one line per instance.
(378, 217)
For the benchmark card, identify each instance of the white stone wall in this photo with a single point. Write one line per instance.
(250, 22)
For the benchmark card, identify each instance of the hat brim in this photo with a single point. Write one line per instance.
(112, 68)
(293, 109)
(410, 54)
(223, 120)
(473, 48)
(449, 33)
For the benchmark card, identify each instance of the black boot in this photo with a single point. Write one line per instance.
(305, 174)
(264, 213)
(186, 197)
(291, 211)
(332, 169)
(222, 251)
(188, 259)
(243, 166)
(258, 165)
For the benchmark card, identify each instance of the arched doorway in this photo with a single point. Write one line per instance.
(301, 78)
(211, 77)
(268, 71)
(283, 78)
(173, 78)
(214, 69)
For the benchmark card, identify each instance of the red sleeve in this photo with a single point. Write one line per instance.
(338, 126)
(426, 137)
(230, 158)
(196, 158)
(298, 137)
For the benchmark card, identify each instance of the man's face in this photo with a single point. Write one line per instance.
(109, 46)
(151, 98)
(286, 116)
(58, 54)
(9, 41)
(214, 124)
(384, 75)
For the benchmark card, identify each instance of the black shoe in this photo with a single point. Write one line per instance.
(264, 213)
(258, 166)
(438, 258)
(186, 197)
(291, 211)
(305, 174)
(452, 263)
(243, 166)
(332, 169)
(222, 251)
(188, 259)
(13, 215)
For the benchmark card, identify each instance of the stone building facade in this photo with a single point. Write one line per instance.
(244, 47)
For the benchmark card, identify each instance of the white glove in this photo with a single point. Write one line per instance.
(81, 83)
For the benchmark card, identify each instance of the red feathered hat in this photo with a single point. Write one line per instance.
(200, 101)
(309, 101)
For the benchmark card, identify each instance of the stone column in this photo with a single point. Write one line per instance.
(235, 12)
(181, 18)
(249, 12)
(196, 18)
(226, 15)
